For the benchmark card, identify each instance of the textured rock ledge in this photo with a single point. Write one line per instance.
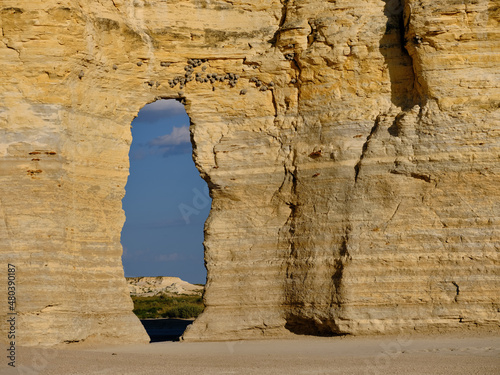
(352, 154)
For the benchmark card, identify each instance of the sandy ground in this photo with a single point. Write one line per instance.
(417, 354)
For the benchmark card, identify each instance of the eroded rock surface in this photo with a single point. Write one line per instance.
(351, 149)
(152, 286)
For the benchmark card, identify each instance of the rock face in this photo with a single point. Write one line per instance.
(351, 149)
(152, 286)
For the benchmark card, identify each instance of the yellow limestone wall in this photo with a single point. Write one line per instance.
(351, 149)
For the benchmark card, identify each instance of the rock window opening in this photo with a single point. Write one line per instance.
(166, 204)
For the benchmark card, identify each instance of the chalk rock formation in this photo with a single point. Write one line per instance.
(152, 286)
(351, 149)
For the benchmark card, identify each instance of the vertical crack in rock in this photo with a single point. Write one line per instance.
(392, 216)
(341, 261)
(275, 104)
(364, 149)
(284, 10)
(289, 234)
(457, 290)
(401, 72)
(400, 65)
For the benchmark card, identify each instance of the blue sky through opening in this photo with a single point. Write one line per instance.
(166, 201)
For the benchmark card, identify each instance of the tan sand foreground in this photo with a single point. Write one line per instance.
(464, 353)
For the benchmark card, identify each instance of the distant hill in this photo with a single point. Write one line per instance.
(152, 286)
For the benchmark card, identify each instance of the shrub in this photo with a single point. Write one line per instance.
(182, 306)
(150, 313)
(183, 311)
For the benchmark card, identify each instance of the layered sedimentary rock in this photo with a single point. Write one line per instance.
(152, 286)
(351, 149)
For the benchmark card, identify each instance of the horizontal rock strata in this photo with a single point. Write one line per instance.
(351, 149)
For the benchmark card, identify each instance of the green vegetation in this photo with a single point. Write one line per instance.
(162, 306)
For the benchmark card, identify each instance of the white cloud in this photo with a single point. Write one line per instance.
(159, 110)
(172, 106)
(178, 137)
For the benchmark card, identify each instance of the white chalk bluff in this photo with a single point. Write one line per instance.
(351, 148)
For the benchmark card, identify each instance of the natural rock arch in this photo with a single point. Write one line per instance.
(339, 166)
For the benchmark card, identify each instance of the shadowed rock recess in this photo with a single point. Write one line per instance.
(351, 149)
